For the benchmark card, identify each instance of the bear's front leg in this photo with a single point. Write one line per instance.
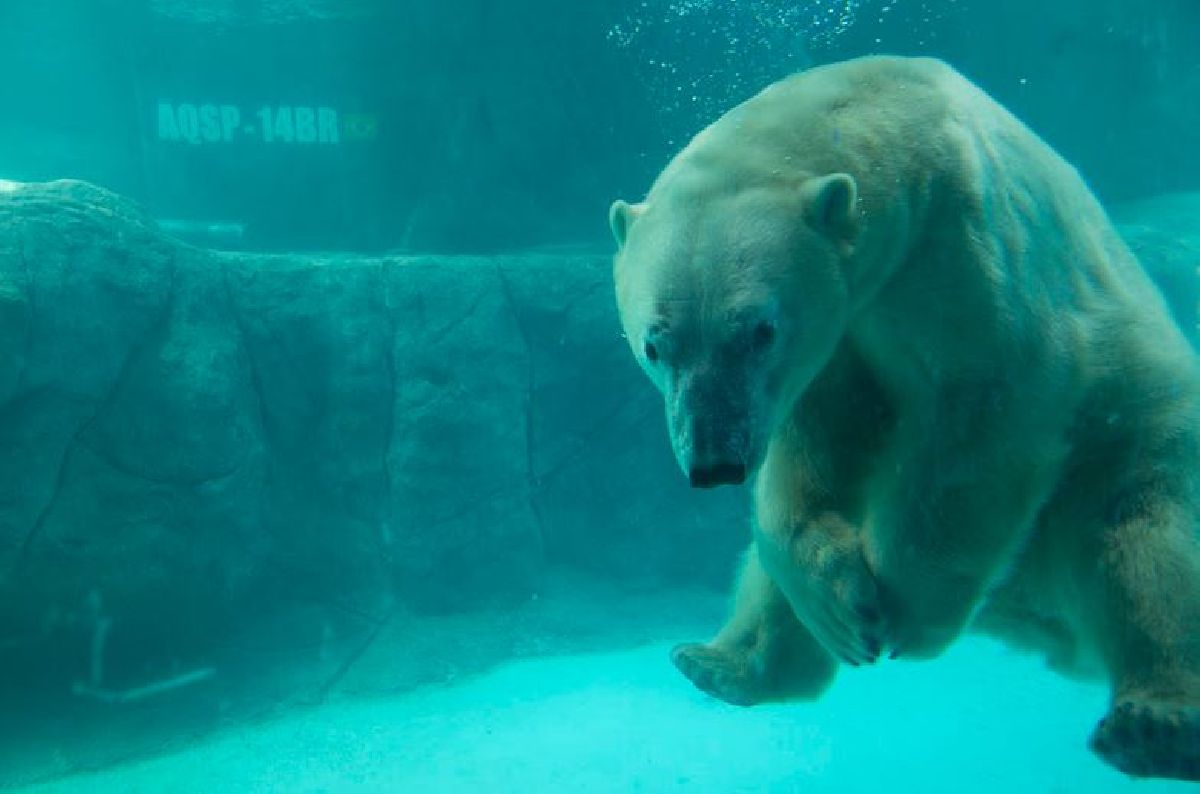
(821, 567)
(962, 502)
(762, 654)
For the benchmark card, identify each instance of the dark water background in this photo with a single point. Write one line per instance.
(478, 125)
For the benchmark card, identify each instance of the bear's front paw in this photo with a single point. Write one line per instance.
(1151, 740)
(840, 600)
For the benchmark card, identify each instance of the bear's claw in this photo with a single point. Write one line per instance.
(1150, 740)
(716, 672)
(836, 596)
(855, 634)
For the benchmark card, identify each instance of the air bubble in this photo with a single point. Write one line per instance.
(699, 57)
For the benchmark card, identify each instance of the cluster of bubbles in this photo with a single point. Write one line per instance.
(699, 57)
(924, 18)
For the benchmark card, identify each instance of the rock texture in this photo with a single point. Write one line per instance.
(190, 439)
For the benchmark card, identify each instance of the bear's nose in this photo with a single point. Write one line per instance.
(713, 474)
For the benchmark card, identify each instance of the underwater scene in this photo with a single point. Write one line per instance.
(601, 396)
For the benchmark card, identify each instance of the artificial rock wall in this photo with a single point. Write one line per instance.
(189, 438)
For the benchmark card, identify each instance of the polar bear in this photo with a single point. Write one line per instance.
(876, 293)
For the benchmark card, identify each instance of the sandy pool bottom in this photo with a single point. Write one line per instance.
(982, 719)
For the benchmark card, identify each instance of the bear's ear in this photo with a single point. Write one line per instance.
(621, 216)
(831, 205)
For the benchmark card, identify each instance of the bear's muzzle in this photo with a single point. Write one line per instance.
(710, 475)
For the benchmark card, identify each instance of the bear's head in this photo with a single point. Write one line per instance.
(733, 296)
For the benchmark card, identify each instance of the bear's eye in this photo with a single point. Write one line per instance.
(763, 334)
(651, 352)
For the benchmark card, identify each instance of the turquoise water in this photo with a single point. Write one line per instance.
(616, 722)
(324, 464)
